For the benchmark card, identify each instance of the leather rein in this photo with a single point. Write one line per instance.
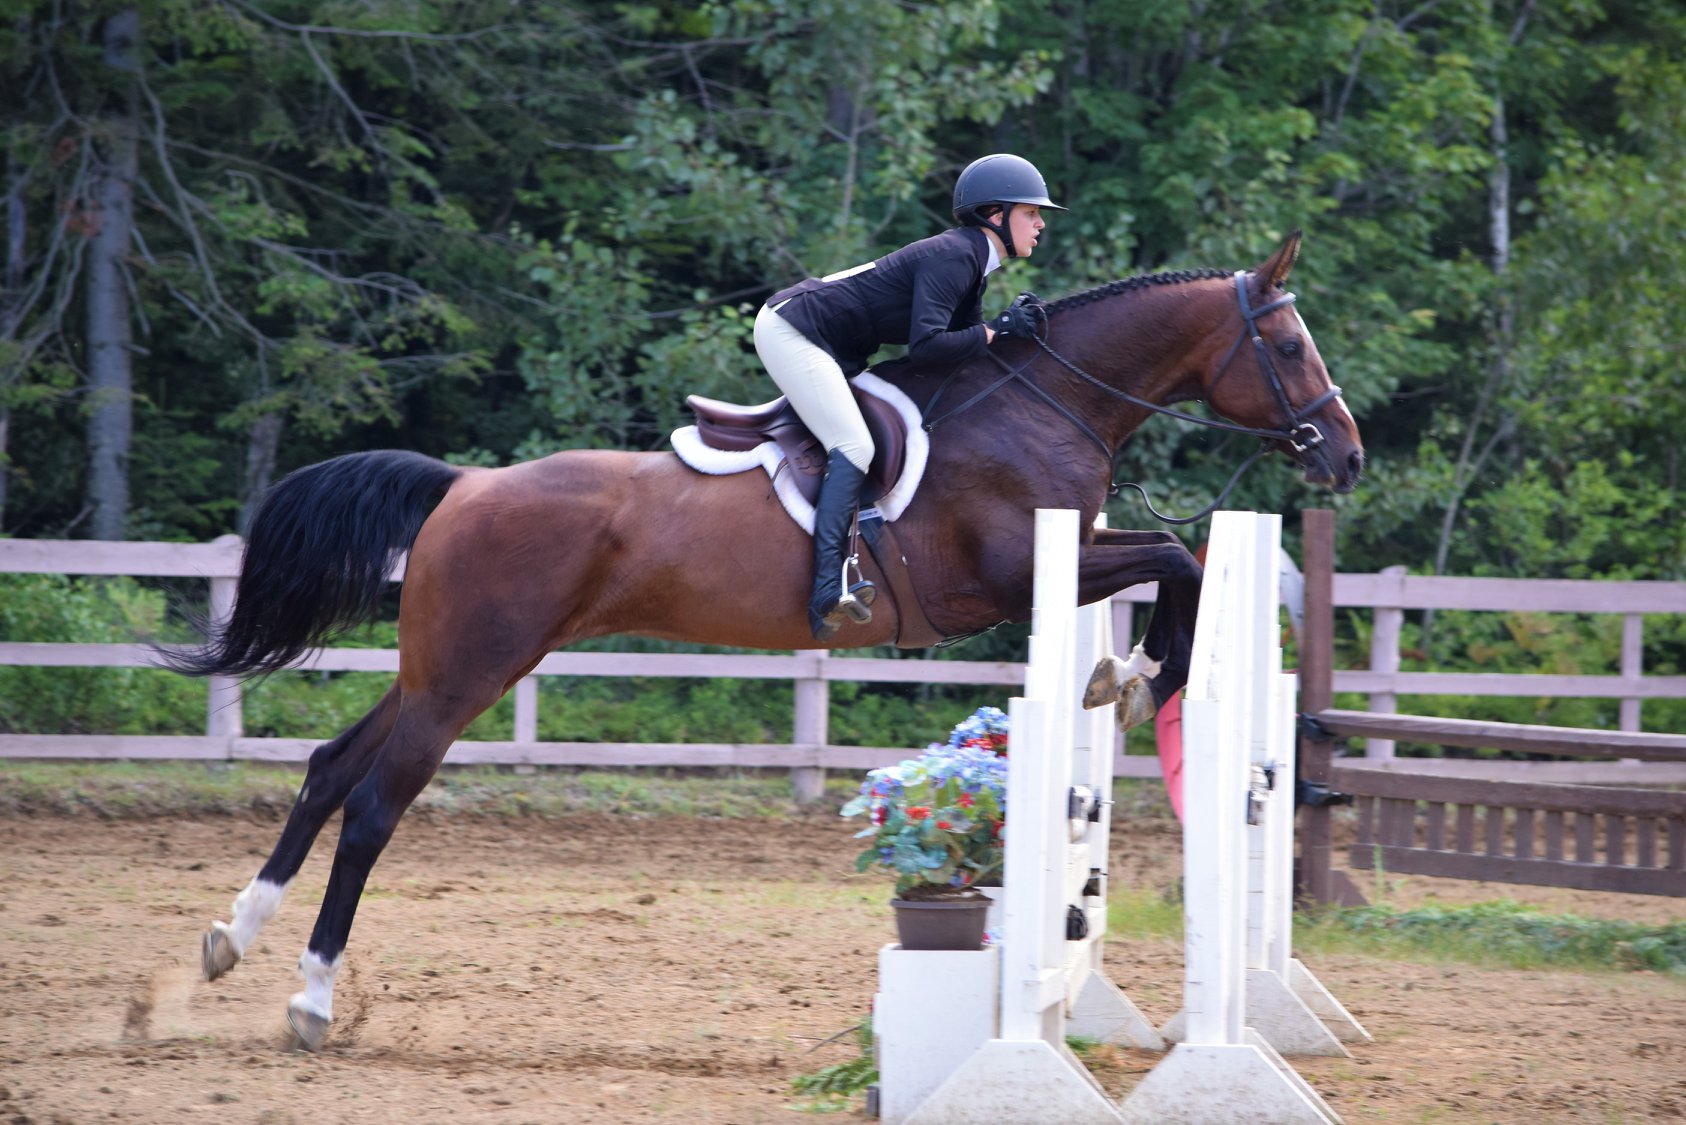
(1299, 433)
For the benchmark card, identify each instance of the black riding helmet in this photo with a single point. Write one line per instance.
(1000, 180)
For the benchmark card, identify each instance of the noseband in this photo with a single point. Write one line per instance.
(1299, 433)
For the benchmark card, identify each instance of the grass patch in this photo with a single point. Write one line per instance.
(1142, 914)
(125, 790)
(122, 790)
(1503, 934)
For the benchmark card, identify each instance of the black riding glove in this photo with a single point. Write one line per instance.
(1021, 317)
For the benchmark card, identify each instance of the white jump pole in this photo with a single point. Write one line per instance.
(1059, 765)
(1237, 714)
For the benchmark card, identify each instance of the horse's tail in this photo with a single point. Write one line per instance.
(317, 555)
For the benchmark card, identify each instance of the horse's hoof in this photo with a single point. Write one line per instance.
(1135, 704)
(216, 952)
(1105, 682)
(310, 1028)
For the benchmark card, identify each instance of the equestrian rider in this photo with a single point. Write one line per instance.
(816, 335)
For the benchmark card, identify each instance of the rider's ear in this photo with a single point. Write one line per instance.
(1275, 269)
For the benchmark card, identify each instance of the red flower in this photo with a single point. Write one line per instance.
(944, 825)
(965, 800)
(917, 812)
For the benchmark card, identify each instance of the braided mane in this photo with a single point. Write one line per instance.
(1112, 289)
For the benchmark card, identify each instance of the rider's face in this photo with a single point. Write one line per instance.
(1027, 224)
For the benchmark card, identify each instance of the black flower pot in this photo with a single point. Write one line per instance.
(941, 923)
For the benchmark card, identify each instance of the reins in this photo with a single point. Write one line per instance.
(1299, 433)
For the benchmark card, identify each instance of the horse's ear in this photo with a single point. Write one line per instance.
(1275, 269)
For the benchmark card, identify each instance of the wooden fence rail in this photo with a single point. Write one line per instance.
(1431, 817)
(808, 755)
(1389, 595)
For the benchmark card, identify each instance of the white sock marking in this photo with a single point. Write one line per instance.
(1140, 664)
(253, 907)
(318, 994)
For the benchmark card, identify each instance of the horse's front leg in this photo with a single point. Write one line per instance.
(1157, 667)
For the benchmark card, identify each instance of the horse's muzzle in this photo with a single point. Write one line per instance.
(1325, 467)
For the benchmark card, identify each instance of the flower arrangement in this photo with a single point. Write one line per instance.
(936, 820)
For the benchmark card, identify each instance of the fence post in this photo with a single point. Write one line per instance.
(1384, 657)
(1314, 879)
(1633, 665)
(812, 719)
(222, 709)
(527, 709)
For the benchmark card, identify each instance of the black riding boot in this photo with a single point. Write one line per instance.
(833, 600)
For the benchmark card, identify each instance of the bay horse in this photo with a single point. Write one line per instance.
(510, 563)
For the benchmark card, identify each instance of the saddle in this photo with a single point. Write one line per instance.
(736, 429)
(730, 433)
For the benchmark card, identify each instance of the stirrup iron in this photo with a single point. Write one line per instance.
(858, 595)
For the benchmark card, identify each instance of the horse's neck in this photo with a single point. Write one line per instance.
(1142, 342)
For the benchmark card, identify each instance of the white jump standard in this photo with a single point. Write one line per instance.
(979, 1037)
(1245, 998)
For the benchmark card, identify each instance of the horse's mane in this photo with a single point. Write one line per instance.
(1114, 288)
(896, 370)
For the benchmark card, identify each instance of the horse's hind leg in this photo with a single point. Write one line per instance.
(334, 768)
(412, 754)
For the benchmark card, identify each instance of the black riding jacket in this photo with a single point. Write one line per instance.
(927, 295)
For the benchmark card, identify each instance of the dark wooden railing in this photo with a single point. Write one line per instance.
(1415, 816)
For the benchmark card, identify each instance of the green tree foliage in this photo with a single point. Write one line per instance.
(491, 230)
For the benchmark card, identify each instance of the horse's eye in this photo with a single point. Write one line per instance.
(1289, 348)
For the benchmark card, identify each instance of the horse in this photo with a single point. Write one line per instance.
(507, 564)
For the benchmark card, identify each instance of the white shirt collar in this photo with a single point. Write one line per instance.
(994, 262)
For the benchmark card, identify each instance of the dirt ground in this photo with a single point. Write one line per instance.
(609, 969)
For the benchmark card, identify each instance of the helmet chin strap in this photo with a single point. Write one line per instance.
(1006, 231)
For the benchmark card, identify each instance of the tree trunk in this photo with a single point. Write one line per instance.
(265, 440)
(11, 312)
(1470, 459)
(110, 359)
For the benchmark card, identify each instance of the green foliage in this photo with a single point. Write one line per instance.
(1506, 933)
(832, 1089)
(48, 608)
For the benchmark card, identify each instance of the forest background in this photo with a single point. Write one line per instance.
(242, 236)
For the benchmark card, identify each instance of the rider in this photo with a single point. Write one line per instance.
(817, 334)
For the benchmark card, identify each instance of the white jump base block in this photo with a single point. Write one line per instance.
(1225, 1084)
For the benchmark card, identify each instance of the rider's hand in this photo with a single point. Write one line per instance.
(1020, 318)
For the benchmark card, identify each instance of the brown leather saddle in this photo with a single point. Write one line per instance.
(735, 429)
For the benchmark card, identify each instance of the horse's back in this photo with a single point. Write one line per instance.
(591, 542)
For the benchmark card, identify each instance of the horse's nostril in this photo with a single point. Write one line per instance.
(1355, 462)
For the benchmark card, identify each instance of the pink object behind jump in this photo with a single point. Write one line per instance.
(1168, 732)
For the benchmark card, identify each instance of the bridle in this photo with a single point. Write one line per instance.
(1299, 432)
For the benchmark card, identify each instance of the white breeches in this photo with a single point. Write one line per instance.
(815, 386)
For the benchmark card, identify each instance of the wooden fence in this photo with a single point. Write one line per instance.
(1420, 816)
(809, 753)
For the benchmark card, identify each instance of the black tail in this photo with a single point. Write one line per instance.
(317, 557)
